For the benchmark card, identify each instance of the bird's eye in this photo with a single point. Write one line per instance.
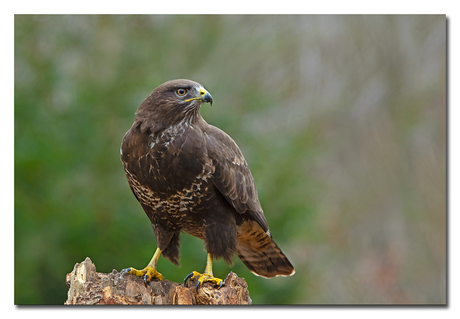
(181, 92)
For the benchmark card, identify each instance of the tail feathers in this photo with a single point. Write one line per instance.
(260, 254)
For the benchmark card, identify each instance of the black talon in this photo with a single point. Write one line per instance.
(125, 271)
(221, 283)
(197, 285)
(146, 277)
(188, 277)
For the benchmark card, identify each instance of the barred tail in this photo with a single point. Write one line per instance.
(259, 252)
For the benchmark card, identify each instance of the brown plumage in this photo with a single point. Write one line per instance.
(191, 176)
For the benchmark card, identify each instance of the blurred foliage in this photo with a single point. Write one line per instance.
(342, 120)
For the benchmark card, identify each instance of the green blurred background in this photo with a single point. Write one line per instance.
(342, 120)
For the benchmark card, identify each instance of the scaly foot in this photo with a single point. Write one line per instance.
(203, 278)
(148, 273)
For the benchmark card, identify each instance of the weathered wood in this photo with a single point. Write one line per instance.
(88, 287)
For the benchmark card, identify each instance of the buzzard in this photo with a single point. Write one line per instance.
(191, 176)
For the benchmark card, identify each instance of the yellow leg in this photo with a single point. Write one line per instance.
(150, 271)
(206, 276)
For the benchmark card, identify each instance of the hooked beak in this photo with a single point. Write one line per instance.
(205, 96)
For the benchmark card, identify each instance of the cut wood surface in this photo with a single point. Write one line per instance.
(88, 287)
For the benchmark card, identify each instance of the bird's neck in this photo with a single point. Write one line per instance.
(176, 125)
(179, 128)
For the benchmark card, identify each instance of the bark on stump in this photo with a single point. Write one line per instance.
(88, 287)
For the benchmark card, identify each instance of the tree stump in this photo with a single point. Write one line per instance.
(88, 287)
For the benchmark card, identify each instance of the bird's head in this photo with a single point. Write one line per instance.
(173, 102)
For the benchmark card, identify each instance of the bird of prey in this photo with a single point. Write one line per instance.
(191, 176)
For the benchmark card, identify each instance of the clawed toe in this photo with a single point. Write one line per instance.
(203, 278)
(148, 273)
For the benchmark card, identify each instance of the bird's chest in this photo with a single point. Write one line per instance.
(173, 177)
